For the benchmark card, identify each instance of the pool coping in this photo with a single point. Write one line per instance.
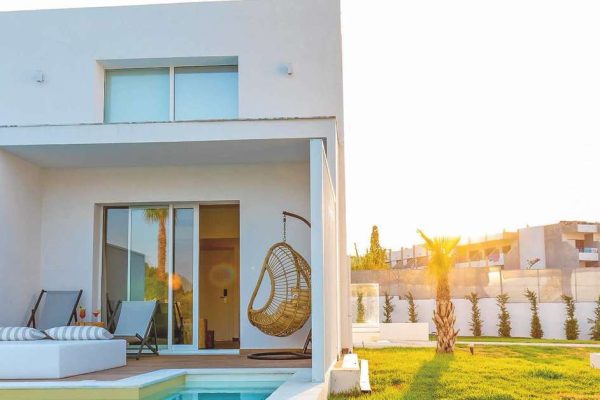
(298, 384)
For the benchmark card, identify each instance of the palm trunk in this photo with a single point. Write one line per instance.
(162, 248)
(444, 318)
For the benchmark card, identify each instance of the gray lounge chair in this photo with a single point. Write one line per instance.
(136, 324)
(55, 308)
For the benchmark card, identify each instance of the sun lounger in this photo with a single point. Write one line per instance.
(55, 308)
(54, 359)
(136, 324)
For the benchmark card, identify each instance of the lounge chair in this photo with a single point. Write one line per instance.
(136, 324)
(55, 308)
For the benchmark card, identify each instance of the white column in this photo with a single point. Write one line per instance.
(317, 251)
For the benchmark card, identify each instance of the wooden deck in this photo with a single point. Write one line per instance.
(151, 363)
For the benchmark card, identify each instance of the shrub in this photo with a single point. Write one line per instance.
(413, 315)
(595, 329)
(536, 331)
(388, 309)
(504, 327)
(360, 308)
(571, 324)
(475, 314)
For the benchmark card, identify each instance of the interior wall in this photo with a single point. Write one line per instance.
(68, 220)
(219, 270)
(20, 215)
(222, 315)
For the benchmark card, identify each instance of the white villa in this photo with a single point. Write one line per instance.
(149, 152)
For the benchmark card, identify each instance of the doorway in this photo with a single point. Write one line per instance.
(219, 277)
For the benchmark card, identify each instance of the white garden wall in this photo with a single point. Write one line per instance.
(552, 316)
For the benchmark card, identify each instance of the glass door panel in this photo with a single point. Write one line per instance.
(148, 268)
(115, 274)
(183, 276)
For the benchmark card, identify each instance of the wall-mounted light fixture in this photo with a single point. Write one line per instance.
(39, 77)
(289, 68)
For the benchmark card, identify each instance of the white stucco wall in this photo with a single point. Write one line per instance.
(70, 217)
(265, 35)
(20, 210)
(532, 245)
(552, 316)
(327, 324)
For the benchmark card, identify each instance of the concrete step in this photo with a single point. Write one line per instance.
(350, 374)
(365, 382)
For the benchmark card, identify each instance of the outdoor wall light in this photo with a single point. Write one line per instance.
(289, 68)
(39, 77)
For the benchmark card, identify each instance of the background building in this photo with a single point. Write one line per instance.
(566, 244)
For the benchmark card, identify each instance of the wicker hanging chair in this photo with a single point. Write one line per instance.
(289, 304)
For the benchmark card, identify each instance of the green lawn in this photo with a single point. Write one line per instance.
(493, 373)
(517, 339)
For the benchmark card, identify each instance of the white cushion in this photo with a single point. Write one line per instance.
(79, 333)
(52, 359)
(20, 333)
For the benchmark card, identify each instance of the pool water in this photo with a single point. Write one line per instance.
(194, 394)
(199, 390)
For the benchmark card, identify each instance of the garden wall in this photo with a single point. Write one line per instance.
(552, 316)
(549, 284)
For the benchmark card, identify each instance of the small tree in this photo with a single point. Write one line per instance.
(595, 329)
(360, 308)
(504, 327)
(378, 253)
(413, 315)
(536, 326)
(374, 258)
(475, 314)
(571, 324)
(388, 309)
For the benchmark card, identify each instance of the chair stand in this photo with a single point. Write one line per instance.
(285, 355)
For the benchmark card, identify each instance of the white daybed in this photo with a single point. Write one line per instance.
(52, 359)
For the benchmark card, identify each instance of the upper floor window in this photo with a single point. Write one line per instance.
(134, 95)
(171, 94)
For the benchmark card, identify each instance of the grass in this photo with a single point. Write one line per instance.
(517, 340)
(493, 373)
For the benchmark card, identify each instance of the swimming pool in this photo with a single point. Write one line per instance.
(197, 387)
(218, 391)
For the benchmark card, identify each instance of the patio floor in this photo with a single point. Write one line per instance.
(151, 363)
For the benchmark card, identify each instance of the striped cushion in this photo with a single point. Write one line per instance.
(79, 333)
(20, 333)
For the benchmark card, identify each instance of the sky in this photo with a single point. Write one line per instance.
(463, 117)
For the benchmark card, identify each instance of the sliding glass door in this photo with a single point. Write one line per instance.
(183, 285)
(149, 254)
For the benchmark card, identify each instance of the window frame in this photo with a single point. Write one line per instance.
(172, 69)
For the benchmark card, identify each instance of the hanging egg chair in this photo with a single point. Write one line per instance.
(288, 306)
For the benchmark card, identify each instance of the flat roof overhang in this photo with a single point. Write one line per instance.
(169, 143)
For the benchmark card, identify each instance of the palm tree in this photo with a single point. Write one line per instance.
(160, 215)
(441, 260)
